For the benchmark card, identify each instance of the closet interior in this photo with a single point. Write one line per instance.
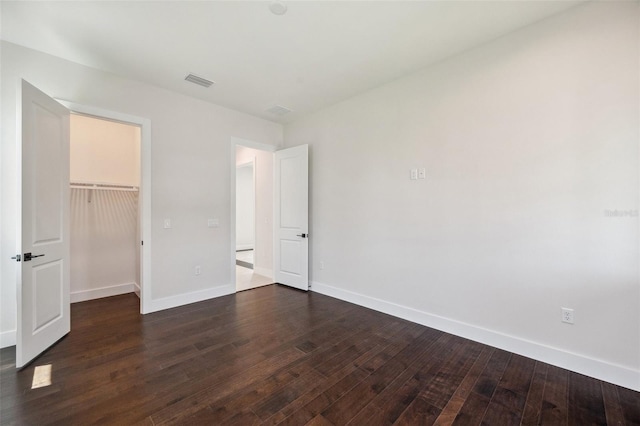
(105, 219)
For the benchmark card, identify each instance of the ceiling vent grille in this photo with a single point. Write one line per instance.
(198, 80)
(278, 110)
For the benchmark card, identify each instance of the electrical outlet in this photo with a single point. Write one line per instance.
(167, 223)
(198, 270)
(567, 315)
(414, 174)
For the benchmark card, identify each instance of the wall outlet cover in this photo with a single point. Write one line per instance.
(567, 315)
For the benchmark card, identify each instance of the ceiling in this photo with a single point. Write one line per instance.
(317, 54)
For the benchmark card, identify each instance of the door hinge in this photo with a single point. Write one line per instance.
(17, 258)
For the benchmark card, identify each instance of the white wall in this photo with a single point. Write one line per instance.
(104, 151)
(245, 207)
(526, 141)
(189, 167)
(263, 255)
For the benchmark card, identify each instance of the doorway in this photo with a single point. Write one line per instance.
(144, 193)
(245, 214)
(281, 215)
(252, 213)
(105, 212)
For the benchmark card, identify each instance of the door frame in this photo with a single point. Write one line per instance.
(144, 204)
(236, 142)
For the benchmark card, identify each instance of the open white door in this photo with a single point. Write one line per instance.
(43, 279)
(291, 217)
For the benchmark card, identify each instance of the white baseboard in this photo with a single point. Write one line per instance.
(265, 272)
(154, 305)
(602, 370)
(7, 338)
(136, 289)
(97, 293)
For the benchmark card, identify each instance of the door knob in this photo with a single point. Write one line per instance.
(29, 256)
(302, 235)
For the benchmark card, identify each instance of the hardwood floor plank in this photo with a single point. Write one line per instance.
(586, 404)
(282, 397)
(274, 355)
(402, 330)
(507, 403)
(420, 412)
(323, 386)
(488, 380)
(401, 392)
(450, 411)
(403, 338)
(630, 404)
(476, 405)
(612, 407)
(554, 400)
(325, 399)
(500, 409)
(348, 406)
(470, 379)
(533, 405)
(319, 420)
(438, 391)
(472, 411)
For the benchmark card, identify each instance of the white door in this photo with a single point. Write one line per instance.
(291, 220)
(43, 279)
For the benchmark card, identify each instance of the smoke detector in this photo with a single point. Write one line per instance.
(277, 7)
(198, 80)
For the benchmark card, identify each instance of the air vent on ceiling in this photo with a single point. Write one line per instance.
(198, 80)
(278, 110)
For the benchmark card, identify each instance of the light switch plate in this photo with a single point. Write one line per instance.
(213, 223)
(422, 173)
(167, 223)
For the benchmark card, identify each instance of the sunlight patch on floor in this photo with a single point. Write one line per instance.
(41, 376)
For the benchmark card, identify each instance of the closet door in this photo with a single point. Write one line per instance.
(43, 279)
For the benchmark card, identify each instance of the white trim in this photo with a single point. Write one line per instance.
(193, 297)
(599, 369)
(98, 293)
(7, 338)
(145, 188)
(265, 272)
(241, 247)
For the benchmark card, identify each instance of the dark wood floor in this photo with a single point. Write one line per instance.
(279, 356)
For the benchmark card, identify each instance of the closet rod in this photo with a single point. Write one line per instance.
(106, 186)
